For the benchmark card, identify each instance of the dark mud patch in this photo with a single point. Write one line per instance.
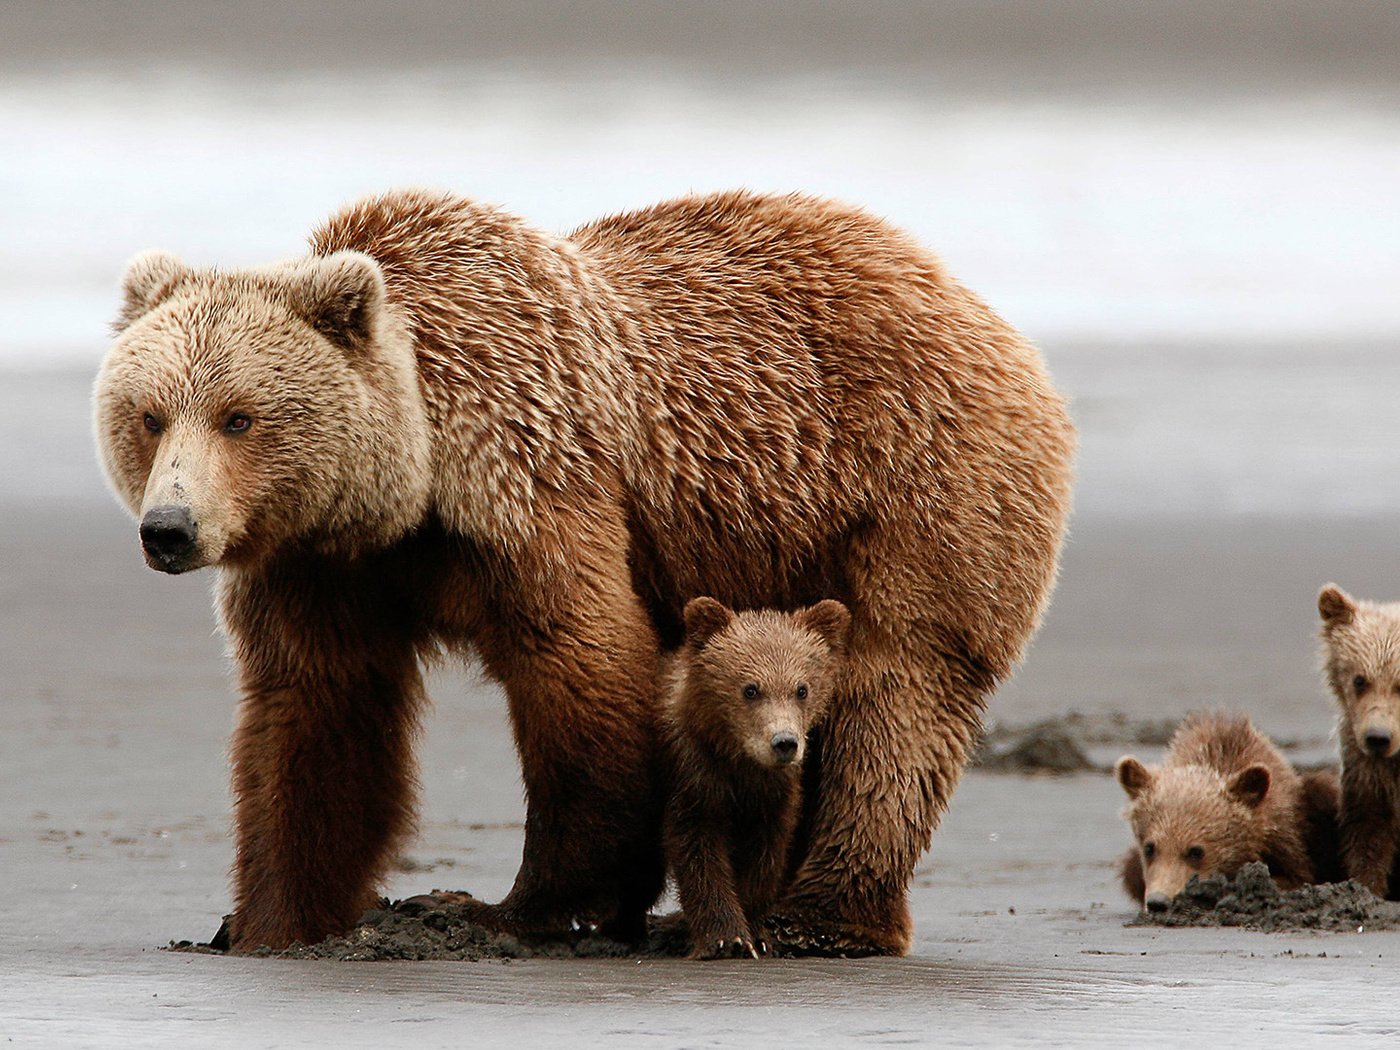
(1061, 744)
(410, 931)
(1251, 900)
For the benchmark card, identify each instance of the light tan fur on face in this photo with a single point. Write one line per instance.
(195, 348)
(727, 652)
(1361, 658)
(1178, 810)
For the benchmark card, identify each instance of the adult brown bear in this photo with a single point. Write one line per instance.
(445, 429)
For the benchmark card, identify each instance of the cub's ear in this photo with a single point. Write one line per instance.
(705, 618)
(1337, 607)
(1250, 786)
(1132, 775)
(148, 282)
(829, 620)
(340, 296)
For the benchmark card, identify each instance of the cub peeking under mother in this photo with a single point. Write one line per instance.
(443, 429)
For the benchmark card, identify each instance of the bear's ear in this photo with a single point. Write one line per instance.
(1250, 786)
(705, 618)
(829, 620)
(148, 282)
(1132, 775)
(1337, 607)
(340, 296)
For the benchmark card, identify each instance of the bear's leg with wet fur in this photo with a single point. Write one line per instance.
(1369, 823)
(577, 656)
(322, 755)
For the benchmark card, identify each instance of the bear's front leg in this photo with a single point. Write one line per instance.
(698, 852)
(322, 759)
(578, 660)
(1368, 826)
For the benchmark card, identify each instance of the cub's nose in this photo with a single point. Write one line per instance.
(1378, 742)
(168, 536)
(784, 747)
(1157, 901)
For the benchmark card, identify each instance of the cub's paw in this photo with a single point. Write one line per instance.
(736, 946)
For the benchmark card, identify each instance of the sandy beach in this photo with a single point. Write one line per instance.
(116, 708)
(1188, 207)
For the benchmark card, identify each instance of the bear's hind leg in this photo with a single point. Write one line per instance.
(894, 744)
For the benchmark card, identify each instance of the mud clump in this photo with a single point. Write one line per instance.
(1251, 900)
(409, 930)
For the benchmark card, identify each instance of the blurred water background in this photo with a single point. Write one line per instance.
(1192, 208)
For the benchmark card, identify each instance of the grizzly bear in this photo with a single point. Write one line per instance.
(1223, 797)
(1361, 659)
(445, 430)
(740, 696)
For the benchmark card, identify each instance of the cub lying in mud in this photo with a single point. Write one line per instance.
(1224, 796)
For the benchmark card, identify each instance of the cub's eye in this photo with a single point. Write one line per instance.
(802, 692)
(237, 423)
(751, 691)
(1360, 683)
(1195, 854)
(152, 424)
(1149, 850)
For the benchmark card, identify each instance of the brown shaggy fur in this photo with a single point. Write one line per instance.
(1223, 797)
(467, 434)
(1361, 659)
(735, 796)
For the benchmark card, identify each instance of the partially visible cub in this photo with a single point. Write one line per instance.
(1224, 796)
(1361, 658)
(741, 694)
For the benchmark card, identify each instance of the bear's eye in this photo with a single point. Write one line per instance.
(237, 423)
(1149, 850)
(802, 692)
(152, 424)
(1196, 854)
(751, 691)
(1360, 684)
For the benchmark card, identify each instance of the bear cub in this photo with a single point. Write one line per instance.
(1361, 659)
(740, 696)
(1223, 797)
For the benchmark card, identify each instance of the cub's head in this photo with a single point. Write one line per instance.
(1191, 820)
(242, 411)
(1361, 657)
(756, 682)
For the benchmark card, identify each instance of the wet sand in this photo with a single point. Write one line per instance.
(115, 709)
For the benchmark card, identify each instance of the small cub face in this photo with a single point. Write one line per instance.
(756, 682)
(1361, 653)
(1190, 820)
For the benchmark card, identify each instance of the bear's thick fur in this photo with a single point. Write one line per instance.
(1361, 659)
(1223, 797)
(739, 698)
(444, 429)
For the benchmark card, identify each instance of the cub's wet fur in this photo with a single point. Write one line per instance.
(1224, 796)
(741, 695)
(1361, 659)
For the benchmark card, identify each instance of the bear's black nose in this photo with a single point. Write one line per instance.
(785, 746)
(168, 535)
(1377, 741)
(1157, 901)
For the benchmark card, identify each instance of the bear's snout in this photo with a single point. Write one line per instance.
(784, 746)
(168, 536)
(1377, 741)
(1157, 901)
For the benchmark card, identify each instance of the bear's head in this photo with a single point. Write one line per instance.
(1191, 820)
(1361, 657)
(756, 682)
(242, 412)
